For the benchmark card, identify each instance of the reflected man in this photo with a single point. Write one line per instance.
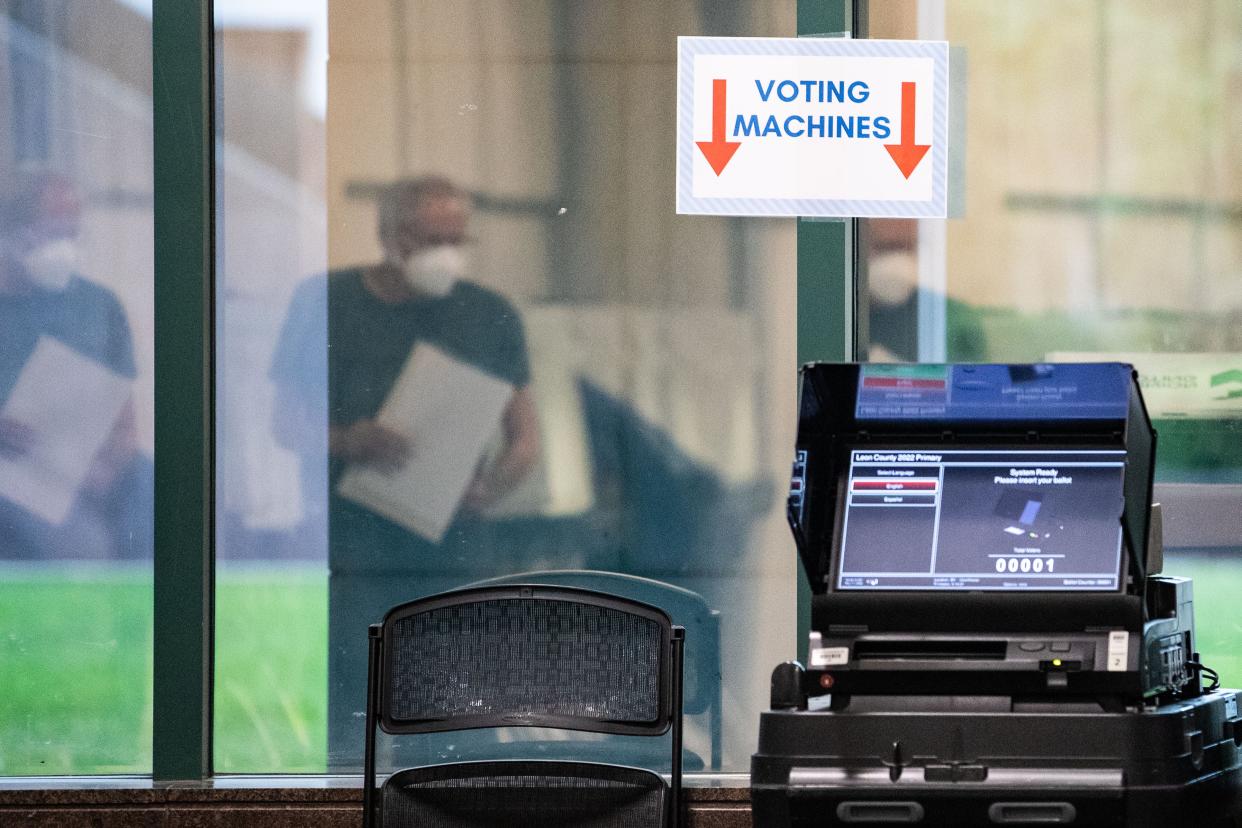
(56, 502)
(895, 296)
(375, 316)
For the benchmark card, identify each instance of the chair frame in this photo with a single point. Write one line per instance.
(379, 668)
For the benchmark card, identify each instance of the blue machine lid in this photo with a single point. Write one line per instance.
(978, 393)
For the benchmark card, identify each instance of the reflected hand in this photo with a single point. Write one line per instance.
(16, 438)
(373, 444)
(483, 491)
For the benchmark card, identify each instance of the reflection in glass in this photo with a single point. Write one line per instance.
(510, 356)
(76, 476)
(1117, 238)
(1103, 221)
(271, 578)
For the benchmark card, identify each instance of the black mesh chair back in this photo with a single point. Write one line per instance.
(702, 683)
(524, 655)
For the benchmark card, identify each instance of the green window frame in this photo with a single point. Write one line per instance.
(184, 582)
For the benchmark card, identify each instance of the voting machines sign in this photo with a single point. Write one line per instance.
(812, 127)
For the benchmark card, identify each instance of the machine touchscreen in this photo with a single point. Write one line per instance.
(997, 520)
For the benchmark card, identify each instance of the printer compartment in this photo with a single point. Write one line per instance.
(1004, 803)
(1180, 764)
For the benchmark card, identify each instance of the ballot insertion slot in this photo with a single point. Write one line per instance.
(924, 650)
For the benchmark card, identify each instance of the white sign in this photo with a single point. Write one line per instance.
(1200, 386)
(1118, 651)
(770, 126)
(830, 656)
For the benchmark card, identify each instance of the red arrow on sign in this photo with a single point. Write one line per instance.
(718, 151)
(907, 154)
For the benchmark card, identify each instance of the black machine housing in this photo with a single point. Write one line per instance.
(1117, 645)
(969, 698)
(1178, 764)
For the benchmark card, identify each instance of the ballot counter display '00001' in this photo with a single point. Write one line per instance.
(992, 642)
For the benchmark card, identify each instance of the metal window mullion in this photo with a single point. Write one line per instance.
(828, 252)
(182, 72)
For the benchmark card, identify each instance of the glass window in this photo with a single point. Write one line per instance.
(464, 337)
(76, 392)
(1102, 221)
(271, 223)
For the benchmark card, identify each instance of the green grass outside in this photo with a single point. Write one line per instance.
(75, 665)
(75, 670)
(271, 702)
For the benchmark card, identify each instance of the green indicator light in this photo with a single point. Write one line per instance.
(1056, 662)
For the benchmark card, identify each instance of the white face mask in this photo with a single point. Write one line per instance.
(51, 265)
(892, 277)
(434, 270)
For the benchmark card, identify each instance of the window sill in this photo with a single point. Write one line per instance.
(105, 790)
(718, 801)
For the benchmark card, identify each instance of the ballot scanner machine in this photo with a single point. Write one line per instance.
(992, 641)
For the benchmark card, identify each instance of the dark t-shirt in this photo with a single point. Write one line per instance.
(85, 316)
(896, 327)
(89, 319)
(367, 343)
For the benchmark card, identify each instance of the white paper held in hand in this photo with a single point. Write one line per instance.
(448, 410)
(70, 403)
